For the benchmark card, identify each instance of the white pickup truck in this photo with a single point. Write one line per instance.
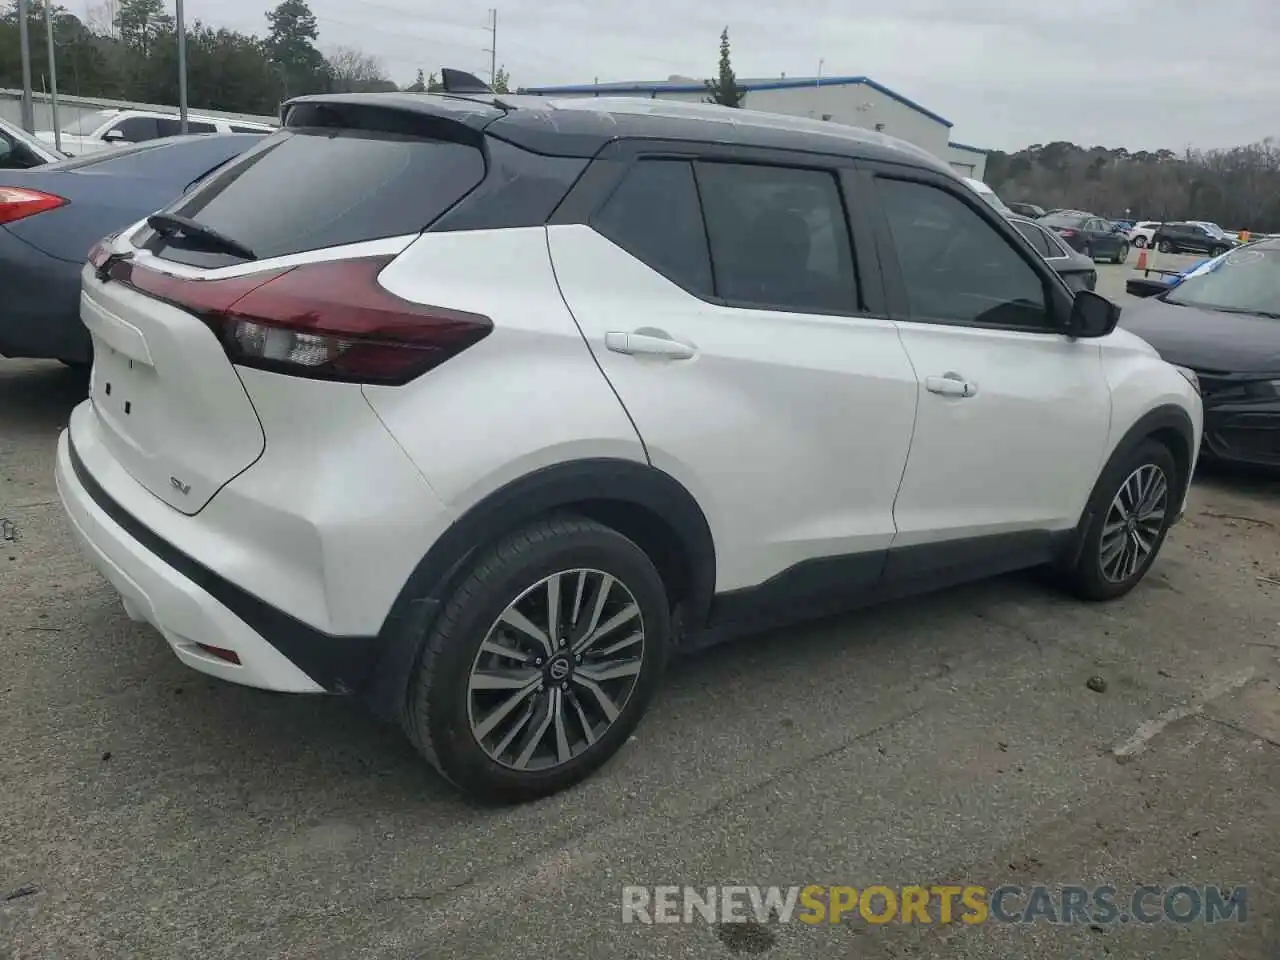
(104, 129)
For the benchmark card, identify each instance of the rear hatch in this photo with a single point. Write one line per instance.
(272, 263)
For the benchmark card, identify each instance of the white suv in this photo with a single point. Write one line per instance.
(104, 129)
(480, 408)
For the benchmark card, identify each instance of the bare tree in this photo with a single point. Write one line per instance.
(353, 71)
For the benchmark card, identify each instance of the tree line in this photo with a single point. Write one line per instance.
(1237, 188)
(128, 50)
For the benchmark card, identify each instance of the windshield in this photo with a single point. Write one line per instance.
(1247, 281)
(86, 123)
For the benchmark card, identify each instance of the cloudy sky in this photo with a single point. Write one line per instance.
(1007, 73)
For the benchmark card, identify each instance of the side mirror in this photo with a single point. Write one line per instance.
(113, 135)
(1092, 315)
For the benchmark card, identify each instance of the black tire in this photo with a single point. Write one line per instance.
(1165, 246)
(1122, 253)
(1087, 578)
(1217, 251)
(437, 717)
(1088, 251)
(1139, 242)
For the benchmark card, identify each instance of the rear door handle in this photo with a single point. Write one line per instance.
(951, 385)
(648, 345)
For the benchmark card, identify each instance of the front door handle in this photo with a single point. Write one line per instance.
(656, 344)
(951, 385)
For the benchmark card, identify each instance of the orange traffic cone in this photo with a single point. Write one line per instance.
(1142, 259)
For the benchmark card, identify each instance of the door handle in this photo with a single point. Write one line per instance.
(656, 344)
(951, 385)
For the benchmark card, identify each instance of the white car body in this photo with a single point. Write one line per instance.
(105, 129)
(1143, 231)
(285, 519)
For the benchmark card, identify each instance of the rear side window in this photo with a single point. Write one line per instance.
(653, 215)
(778, 237)
(310, 188)
(136, 130)
(1036, 237)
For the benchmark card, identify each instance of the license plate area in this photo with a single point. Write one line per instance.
(123, 392)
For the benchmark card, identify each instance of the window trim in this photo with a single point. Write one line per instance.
(613, 163)
(1058, 296)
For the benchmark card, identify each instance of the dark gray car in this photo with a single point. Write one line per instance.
(1075, 268)
(51, 215)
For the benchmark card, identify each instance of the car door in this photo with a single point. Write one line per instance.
(745, 334)
(1013, 415)
(1101, 241)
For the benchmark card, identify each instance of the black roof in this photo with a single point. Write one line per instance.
(581, 126)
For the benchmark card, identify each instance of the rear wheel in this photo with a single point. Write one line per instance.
(1130, 512)
(1217, 251)
(1165, 247)
(541, 663)
(1139, 242)
(1122, 253)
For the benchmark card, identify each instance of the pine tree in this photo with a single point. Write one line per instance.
(725, 90)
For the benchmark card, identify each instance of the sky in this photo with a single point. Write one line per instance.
(1141, 74)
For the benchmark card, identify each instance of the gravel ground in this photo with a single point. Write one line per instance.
(147, 811)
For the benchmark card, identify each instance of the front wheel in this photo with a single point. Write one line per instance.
(1165, 247)
(1139, 242)
(541, 663)
(1129, 514)
(1122, 254)
(1217, 251)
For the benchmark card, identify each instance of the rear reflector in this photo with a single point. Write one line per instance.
(222, 653)
(17, 203)
(326, 321)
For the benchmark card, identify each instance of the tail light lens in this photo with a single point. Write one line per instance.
(1066, 233)
(326, 321)
(18, 203)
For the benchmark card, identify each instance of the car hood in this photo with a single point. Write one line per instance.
(1206, 339)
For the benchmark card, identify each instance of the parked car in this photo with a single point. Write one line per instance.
(51, 215)
(1096, 238)
(20, 150)
(330, 447)
(1075, 268)
(1191, 238)
(987, 194)
(1140, 233)
(105, 129)
(1027, 210)
(1223, 321)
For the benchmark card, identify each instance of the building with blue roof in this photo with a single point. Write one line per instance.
(857, 101)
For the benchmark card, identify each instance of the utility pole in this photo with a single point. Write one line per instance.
(493, 47)
(182, 68)
(24, 41)
(53, 77)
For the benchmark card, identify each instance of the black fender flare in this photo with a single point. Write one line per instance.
(1167, 416)
(544, 491)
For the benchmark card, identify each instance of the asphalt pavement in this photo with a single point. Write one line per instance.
(994, 734)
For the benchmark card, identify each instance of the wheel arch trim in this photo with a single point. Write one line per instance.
(544, 491)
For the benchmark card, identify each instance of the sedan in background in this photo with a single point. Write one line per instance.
(50, 217)
(20, 150)
(1096, 238)
(1191, 238)
(1223, 321)
(1075, 268)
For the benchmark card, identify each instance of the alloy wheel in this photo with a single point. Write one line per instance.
(1133, 524)
(555, 670)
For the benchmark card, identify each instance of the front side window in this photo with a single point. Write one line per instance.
(957, 267)
(136, 130)
(653, 215)
(778, 237)
(87, 123)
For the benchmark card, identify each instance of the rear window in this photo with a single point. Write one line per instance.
(1063, 220)
(307, 188)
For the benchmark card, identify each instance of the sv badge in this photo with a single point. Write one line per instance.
(182, 488)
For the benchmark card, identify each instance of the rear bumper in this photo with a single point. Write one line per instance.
(39, 304)
(189, 604)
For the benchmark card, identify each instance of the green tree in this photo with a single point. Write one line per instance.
(291, 45)
(724, 90)
(141, 22)
(419, 84)
(502, 81)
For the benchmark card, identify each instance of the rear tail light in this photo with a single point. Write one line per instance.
(18, 203)
(1066, 233)
(326, 321)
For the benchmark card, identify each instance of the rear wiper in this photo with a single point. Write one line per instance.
(168, 224)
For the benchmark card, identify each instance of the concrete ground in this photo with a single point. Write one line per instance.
(147, 811)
